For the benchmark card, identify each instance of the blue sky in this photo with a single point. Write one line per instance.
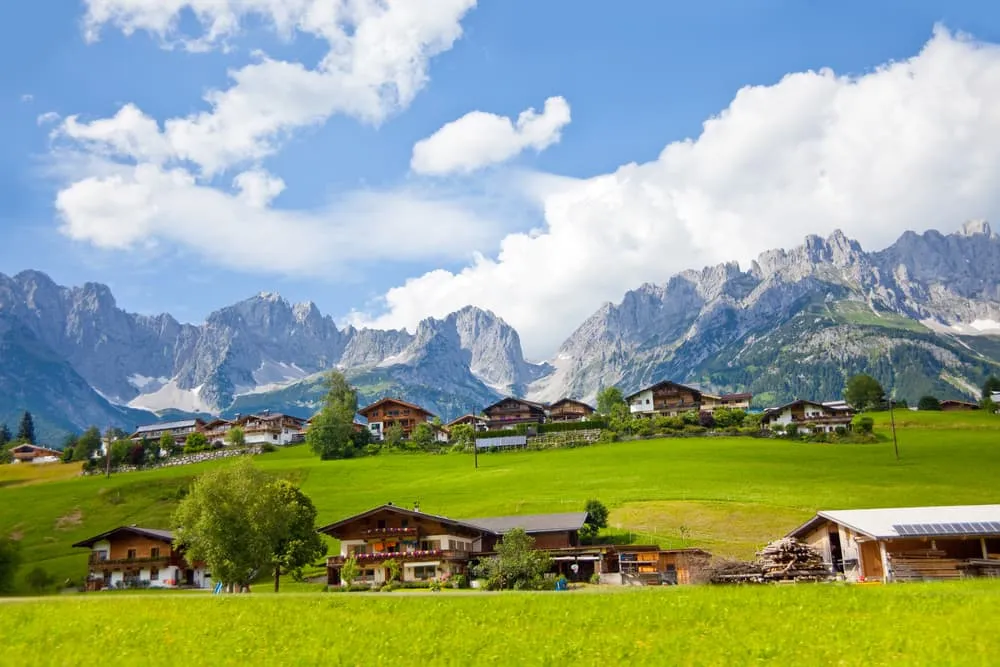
(636, 81)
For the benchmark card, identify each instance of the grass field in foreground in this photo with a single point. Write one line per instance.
(916, 624)
(729, 495)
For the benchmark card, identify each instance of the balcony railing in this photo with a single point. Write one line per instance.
(389, 532)
(382, 556)
(164, 560)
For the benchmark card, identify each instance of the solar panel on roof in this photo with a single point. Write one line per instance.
(964, 528)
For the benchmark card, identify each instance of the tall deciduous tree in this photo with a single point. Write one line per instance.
(928, 403)
(463, 434)
(241, 521)
(88, 443)
(299, 544)
(517, 564)
(597, 518)
(422, 436)
(608, 398)
(26, 429)
(394, 436)
(167, 443)
(864, 392)
(236, 437)
(329, 434)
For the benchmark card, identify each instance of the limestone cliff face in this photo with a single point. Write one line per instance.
(924, 314)
(915, 297)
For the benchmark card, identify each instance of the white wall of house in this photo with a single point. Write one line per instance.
(284, 437)
(377, 431)
(642, 402)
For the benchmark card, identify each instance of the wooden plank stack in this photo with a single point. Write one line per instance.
(923, 565)
(788, 559)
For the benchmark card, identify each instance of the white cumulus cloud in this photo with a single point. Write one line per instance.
(132, 180)
(376, 62)
(479, 139)
(910, 145)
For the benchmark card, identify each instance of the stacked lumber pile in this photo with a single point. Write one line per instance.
(731, 571)
(924, 564)
(790, 560)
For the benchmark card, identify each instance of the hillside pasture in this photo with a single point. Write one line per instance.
(730, 495)
(804, 624)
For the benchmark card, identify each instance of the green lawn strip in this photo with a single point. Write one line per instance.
(917, 624)
(727, 494)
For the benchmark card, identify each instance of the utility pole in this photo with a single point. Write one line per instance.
(475, 438)
(107, 452)
(892, 420)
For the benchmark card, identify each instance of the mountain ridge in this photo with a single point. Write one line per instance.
(922, 314)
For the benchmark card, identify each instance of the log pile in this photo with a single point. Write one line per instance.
(731, 571)
(790, 560)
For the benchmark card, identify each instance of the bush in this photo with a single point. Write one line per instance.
(792, 430)
(607, 436)
(39, 580)
(267, 447)
(695, 430)
(864, 424)
(595, 578)
(928, 403)
(841, 431)
(459, 581)
(706, 419)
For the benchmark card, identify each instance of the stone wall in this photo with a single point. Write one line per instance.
(187, 459)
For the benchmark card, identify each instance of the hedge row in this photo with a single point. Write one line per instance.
(557, 427)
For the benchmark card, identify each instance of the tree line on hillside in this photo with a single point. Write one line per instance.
(25, 436)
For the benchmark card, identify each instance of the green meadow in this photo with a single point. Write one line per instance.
(729, 495)
(808, 624)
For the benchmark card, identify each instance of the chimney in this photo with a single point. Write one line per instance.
(416, 506)
(389, 503)
(267, 412)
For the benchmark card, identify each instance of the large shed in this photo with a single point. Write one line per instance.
(907, 543)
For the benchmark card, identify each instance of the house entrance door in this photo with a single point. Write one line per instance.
(189, 577)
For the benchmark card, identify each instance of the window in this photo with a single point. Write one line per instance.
(154, 574)
(154, 552)
(428, 545)
(405, 523)
(131, 554)
(424, 572)
(381, 523)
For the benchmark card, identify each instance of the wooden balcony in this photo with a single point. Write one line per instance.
(401, 556)
(390, 532)
(159, 562)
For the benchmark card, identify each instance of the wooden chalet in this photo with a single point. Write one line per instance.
(271, 427)
(666, 398)
(738, 401)
(808, 416)
(951, 405)
(567, 410)
(178, 429)
(510, 412)
(386, 412)
(429, 546)
(907, 543)
(217, 430)
(476, 422)
(130, 556)
(28, 453)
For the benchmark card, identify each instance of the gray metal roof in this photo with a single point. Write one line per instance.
(531, 523)
(186, 423)
(894, 522)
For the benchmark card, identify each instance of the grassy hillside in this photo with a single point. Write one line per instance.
(729, 495)
(804, 625)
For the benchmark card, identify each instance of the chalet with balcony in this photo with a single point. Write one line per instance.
(808, 416)
(511, 412)
(271, 427)
(217, 430)
(386, 412)
(130, 556)
(712, 402)
(178, 429)
(568, 410)
(476, 422)
(28, 453)
(668, 399)
(429, 546)
(426, 546)
(907, 543)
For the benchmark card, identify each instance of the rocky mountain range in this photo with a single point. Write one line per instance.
(922, 315)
